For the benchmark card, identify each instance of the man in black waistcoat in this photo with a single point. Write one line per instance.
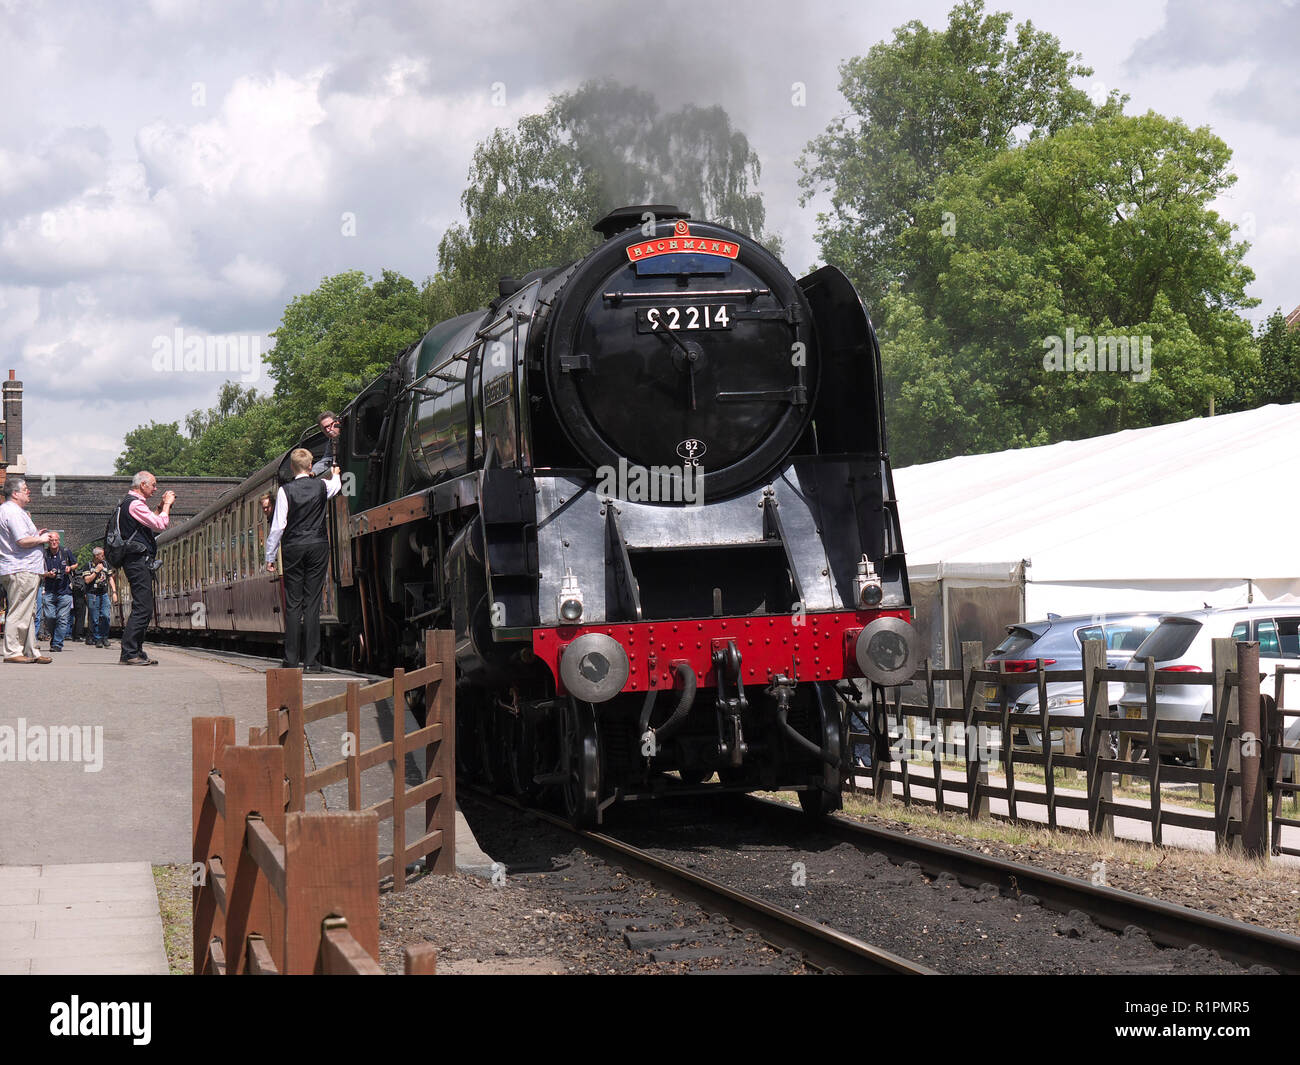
(139, 526)
(298, 529)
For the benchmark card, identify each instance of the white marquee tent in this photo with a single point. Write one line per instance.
(1165, 518)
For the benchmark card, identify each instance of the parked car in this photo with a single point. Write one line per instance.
(1059, 642)
(1183, 642)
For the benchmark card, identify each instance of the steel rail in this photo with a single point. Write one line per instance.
(822, 947)
(1166, 923)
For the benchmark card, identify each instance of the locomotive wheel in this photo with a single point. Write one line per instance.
(825, 799)
(580, 754)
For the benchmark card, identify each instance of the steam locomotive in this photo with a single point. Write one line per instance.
(649, 491)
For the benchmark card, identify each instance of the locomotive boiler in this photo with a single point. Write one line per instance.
(650, 492)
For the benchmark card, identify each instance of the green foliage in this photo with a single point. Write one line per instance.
(237, 445)
(157, 447)
(1103, 229)
(925, 105)
(1278, 379)
(534, 193)
(232, 401)
(984, 206)
(332, 341)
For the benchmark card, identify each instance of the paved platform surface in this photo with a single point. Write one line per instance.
(99, 918)
(100, 791)
(127, 796)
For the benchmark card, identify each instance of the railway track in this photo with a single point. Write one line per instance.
(822, 948)
(1165, 923)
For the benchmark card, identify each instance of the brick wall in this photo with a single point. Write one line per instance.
(78, 507)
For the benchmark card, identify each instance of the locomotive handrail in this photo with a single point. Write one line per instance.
(480, 335)
(680, 297)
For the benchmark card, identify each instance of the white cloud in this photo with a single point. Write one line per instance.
(252, 278)
(260, 147)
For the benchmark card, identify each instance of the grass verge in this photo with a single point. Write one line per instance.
(175, 899)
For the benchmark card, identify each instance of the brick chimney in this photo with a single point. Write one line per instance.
(11, 424)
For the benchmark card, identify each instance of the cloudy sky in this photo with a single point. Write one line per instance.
(180, 165)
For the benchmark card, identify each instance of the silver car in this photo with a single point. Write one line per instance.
(1183, 642)
(1059, 642)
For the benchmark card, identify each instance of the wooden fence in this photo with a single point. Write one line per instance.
(1234, 773)
(287, 720)
(278, 892)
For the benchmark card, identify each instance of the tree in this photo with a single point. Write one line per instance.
(239, 444)
(1279, 362)
(331, 342)
(157, 447)
(232, 401)
(927, 104)
(1098, 233)
(534, 193)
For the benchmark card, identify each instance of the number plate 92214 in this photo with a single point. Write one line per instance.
(689, 318)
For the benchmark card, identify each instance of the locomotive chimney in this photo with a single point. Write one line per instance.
(625, 218)
(11, 424)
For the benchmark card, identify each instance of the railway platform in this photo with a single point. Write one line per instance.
(95, 788)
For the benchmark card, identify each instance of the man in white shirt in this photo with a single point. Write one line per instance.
(298, 528)
(22, 564)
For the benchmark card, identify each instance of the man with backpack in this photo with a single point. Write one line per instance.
(131, 542)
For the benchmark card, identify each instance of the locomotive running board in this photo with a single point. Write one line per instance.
(450, 495)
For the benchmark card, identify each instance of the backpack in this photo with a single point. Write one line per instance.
(116, 549)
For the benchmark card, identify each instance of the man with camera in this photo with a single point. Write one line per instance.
(139, 527)
(99, 583)
(60, 565)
